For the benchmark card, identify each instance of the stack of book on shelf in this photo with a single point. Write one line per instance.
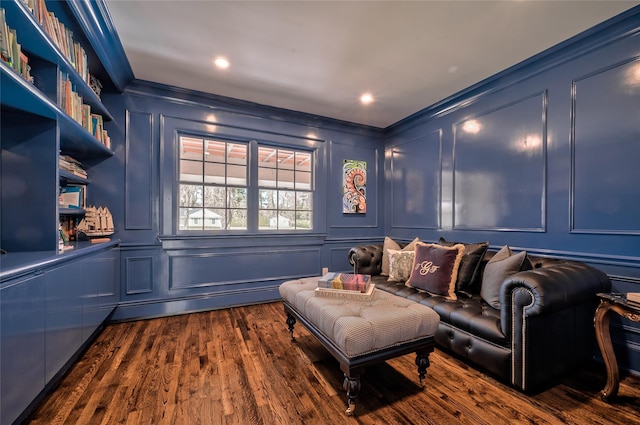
(67, 163)
(350, 286)
(11, 50)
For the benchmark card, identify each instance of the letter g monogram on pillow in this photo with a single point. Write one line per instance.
(426, 267)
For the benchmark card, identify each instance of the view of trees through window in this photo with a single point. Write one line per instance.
(214, 186)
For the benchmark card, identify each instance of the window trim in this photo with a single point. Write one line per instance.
(253, 188)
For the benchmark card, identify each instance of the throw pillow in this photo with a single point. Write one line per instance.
(435, 268)
(400, 263)
(391, 244)
(469, 278)
(503, 264)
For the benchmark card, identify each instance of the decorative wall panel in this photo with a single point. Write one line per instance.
(606, 148)
(138, 275)
(234, 267)
(499, 168)
(416, 176)
(139, 171)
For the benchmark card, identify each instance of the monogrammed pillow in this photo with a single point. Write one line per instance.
(435, 269)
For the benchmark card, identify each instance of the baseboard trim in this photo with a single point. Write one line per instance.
(148, 309)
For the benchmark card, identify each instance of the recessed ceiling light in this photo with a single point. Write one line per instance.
(221, 62)
(366, 98)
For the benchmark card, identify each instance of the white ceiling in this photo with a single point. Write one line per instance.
(320, 56)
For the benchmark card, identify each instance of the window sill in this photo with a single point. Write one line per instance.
(204, 241)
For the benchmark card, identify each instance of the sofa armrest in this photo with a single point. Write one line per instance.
(556, 286)
(546, 314)
(366, 259)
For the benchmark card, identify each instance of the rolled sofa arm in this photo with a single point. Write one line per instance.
(366, 259)
(552, 307)
(556, 286)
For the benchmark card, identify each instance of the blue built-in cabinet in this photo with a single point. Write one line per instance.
(50, 307)
(51, 302)
(541, 157)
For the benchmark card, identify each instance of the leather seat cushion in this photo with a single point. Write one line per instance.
(468, 314)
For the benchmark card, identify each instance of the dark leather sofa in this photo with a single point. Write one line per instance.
(543, 329)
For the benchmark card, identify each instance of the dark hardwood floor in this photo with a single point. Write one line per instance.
(239, 366)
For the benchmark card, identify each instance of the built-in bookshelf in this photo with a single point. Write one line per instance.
(51, 111)
(59, 59)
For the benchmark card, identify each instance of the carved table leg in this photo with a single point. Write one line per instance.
(603, 335)
(352, 385)
(291, 321)
(422, 361)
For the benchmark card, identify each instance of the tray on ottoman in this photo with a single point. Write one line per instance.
(361, 333)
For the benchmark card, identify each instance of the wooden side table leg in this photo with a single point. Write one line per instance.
(603, 335)
(352, 385)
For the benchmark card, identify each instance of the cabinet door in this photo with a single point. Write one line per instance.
(108, 270)
(22, 347)
(99, 298)
(64, 289)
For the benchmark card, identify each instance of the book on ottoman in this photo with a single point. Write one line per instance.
(346, 281)
(346, 294)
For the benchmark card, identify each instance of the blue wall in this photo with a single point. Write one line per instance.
(541, 157)
(165, 273)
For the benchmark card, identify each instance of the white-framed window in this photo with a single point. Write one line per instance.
(285, 181)
(214, 186)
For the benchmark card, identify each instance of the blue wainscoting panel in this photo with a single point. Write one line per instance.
(139, 170)
(606, 148)
(416, 182)
(138, 275)
(506, 189)
(339, 259)
(234, 267)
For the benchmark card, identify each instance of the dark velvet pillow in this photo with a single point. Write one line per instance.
(502, 265)
(469, 276)
(435, 269)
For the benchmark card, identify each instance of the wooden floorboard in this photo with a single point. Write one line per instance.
(239, 366)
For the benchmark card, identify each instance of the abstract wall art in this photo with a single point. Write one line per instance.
(354, 191)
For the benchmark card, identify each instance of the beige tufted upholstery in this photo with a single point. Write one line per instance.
(359, 328)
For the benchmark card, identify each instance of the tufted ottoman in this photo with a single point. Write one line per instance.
(361, 333)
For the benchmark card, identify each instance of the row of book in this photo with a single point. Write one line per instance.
(11, 51)
(68, 228)
(350, 286)
(61, 36)
(346, 281)
(71, 103)
(67, 163)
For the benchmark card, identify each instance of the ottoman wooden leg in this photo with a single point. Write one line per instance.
(291, 321)
(352, 385)
(422, 361)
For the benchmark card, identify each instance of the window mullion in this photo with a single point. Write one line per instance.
(252, 187)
